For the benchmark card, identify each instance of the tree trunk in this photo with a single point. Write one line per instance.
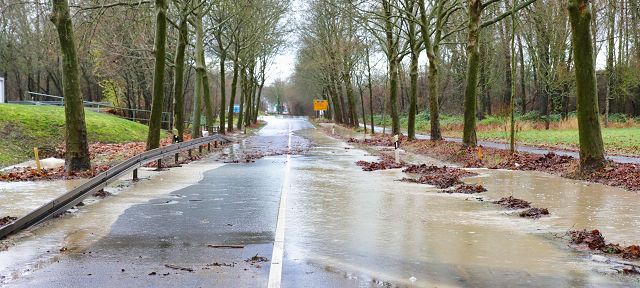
(77, 151)
(155, 121)
(262, 79)
(610, 72)
(234, 86)
(353, 112)
(243, 96)
(370, 91)
(364, 116)
(413, 80)
(522, 78)
(178, 79)
(201, 71)
(196, 130)
(392, 58)
(591, 146)
(223, 93)
(432, 55)
(473, 59)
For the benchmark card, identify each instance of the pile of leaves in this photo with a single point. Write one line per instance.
(31, 174)
(512, 203)
(595, 241)
(617, 174)
(7, 220)
(549, 162)
(441, 177)
(534, 212)
(466, 189)
(387, 162)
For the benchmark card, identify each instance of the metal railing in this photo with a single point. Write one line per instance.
(76, 195)
(136, 115)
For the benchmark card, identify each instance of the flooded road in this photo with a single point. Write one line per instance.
(342, 227)
(375, 231)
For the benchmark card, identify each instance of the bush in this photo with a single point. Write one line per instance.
(492, 121)
(618, 118)
(533, 116)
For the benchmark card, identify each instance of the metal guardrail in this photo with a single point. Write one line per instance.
(75, 196)
(140, 115)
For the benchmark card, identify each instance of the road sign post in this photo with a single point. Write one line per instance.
(396, 145)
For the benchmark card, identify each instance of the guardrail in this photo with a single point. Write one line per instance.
(75, 196)
(135, 115)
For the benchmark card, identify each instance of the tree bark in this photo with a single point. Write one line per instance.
(178, 79)
(432, 55)
(223, 93)
(413, 75)
(473, 59)
(201, 72)
(234, 86)
(243, 96)
(370, 91)
(591, 145)
(196, 130)
(77, 151)
(392, 58)
(610, 72)
(522, 78)
(155, 121)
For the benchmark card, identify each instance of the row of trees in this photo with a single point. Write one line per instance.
(482, 58)
(111, 55)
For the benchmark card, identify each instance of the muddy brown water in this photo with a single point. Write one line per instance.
(379, 231)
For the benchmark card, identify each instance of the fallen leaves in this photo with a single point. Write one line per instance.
(595, 241)
(31, 174)
(387, 162)
(534, 212)
(6, 220)
(466, 189)
(441, 177)
(512, 203)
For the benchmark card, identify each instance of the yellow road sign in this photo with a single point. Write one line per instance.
(320, 105)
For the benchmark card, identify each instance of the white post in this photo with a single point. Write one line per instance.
(2, 98)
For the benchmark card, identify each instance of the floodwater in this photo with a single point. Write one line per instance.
(19, 198)
(39, 247)
(377, 231)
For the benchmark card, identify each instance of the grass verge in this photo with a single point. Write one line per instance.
(24, 127)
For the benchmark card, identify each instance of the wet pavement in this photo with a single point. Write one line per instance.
(342, 227)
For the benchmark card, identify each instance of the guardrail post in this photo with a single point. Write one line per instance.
(159, 164)
(215, 144)
(200, 149)
(177, 155)
(208, 147)
(189, 153)
(135, 174)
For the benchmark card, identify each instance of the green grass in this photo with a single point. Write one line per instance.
(24, 127)
(616, 140)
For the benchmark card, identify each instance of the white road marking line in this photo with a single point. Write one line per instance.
(275, 272)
